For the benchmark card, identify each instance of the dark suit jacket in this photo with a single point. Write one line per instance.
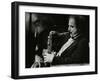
(31, 42)
(77, 53)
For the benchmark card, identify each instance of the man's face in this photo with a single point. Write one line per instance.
(36, 25)
(72, 27)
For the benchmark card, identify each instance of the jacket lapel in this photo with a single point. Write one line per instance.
(71, 47)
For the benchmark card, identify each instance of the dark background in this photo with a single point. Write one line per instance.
(57, 22)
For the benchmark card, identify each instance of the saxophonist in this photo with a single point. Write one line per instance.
(75, 47)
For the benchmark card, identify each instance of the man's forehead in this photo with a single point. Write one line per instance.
(72, 21)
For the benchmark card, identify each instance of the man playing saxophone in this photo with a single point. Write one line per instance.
(74, 49)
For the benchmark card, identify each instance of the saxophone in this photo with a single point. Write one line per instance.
(49, 49)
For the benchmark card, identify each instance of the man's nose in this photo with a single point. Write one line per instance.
(69, 29)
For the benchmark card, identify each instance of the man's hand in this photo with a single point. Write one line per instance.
(47, 56)
(38, 59)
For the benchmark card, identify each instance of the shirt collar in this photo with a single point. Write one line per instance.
(75, 36)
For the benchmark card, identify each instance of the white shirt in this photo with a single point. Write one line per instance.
(65, 46)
